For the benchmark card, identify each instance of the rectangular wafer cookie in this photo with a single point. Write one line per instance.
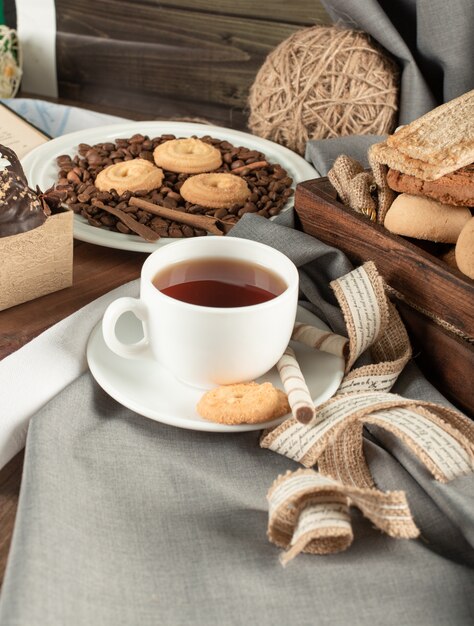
(435, 144)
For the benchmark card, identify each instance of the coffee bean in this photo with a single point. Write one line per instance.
(170, 203)
(90, 189)
(174, 196)
(270, 186)
(108, 220)
(147, 155)
(73, 177)
(105, 196)
(175, 231)
(120, 226)
(92, 221)
(279, 173)
(93, 157)
(220, 213)
(187, 230)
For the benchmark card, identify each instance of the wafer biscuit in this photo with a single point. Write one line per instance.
(440, 142)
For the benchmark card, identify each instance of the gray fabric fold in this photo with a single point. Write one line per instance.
(126, 521)
(324, 152)
(430, 39)
(123, 520)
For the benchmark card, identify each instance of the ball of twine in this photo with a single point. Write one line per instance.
(323, 82)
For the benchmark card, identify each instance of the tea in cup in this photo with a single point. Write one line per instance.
(215, 310)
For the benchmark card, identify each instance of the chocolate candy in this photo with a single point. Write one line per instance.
(21, 209)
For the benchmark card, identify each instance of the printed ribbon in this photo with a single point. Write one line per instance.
(310, 512)
(440, 437)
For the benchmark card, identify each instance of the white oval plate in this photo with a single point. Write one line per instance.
(147, 388)
(41, 169)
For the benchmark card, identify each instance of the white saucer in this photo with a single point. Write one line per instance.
(147, 388)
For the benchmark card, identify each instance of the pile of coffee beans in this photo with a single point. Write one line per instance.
(269, 183)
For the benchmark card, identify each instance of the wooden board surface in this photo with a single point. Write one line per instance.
(169, 59)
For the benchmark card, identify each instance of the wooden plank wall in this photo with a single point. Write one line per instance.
(187, 58)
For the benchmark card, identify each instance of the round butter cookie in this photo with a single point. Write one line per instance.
(465, 249)
(133, 175)
(215, 191)
(423, 218)
(187, 156)
(243, 403)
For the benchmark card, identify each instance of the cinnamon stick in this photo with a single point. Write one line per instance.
(140, 229)
(210, 224)
(250, 166)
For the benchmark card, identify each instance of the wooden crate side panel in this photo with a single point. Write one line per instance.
(445, 360)
(424, 280)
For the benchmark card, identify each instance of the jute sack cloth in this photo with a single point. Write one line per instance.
(123, 520)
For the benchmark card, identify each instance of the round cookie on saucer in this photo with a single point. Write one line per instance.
(243, 403)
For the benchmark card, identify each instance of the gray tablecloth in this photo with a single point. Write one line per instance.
(124, 521)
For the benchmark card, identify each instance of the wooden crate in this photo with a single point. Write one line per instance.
(428, 289)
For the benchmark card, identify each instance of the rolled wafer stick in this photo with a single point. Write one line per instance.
(299, 398)
(321, 339)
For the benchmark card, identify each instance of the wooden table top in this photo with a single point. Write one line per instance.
(97, 270)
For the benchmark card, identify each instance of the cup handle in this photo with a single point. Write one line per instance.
(112, 314)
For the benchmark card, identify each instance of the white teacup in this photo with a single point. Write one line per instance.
(208, 345)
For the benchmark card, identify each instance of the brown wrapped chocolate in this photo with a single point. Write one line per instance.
(21, 208)
(36, 237)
